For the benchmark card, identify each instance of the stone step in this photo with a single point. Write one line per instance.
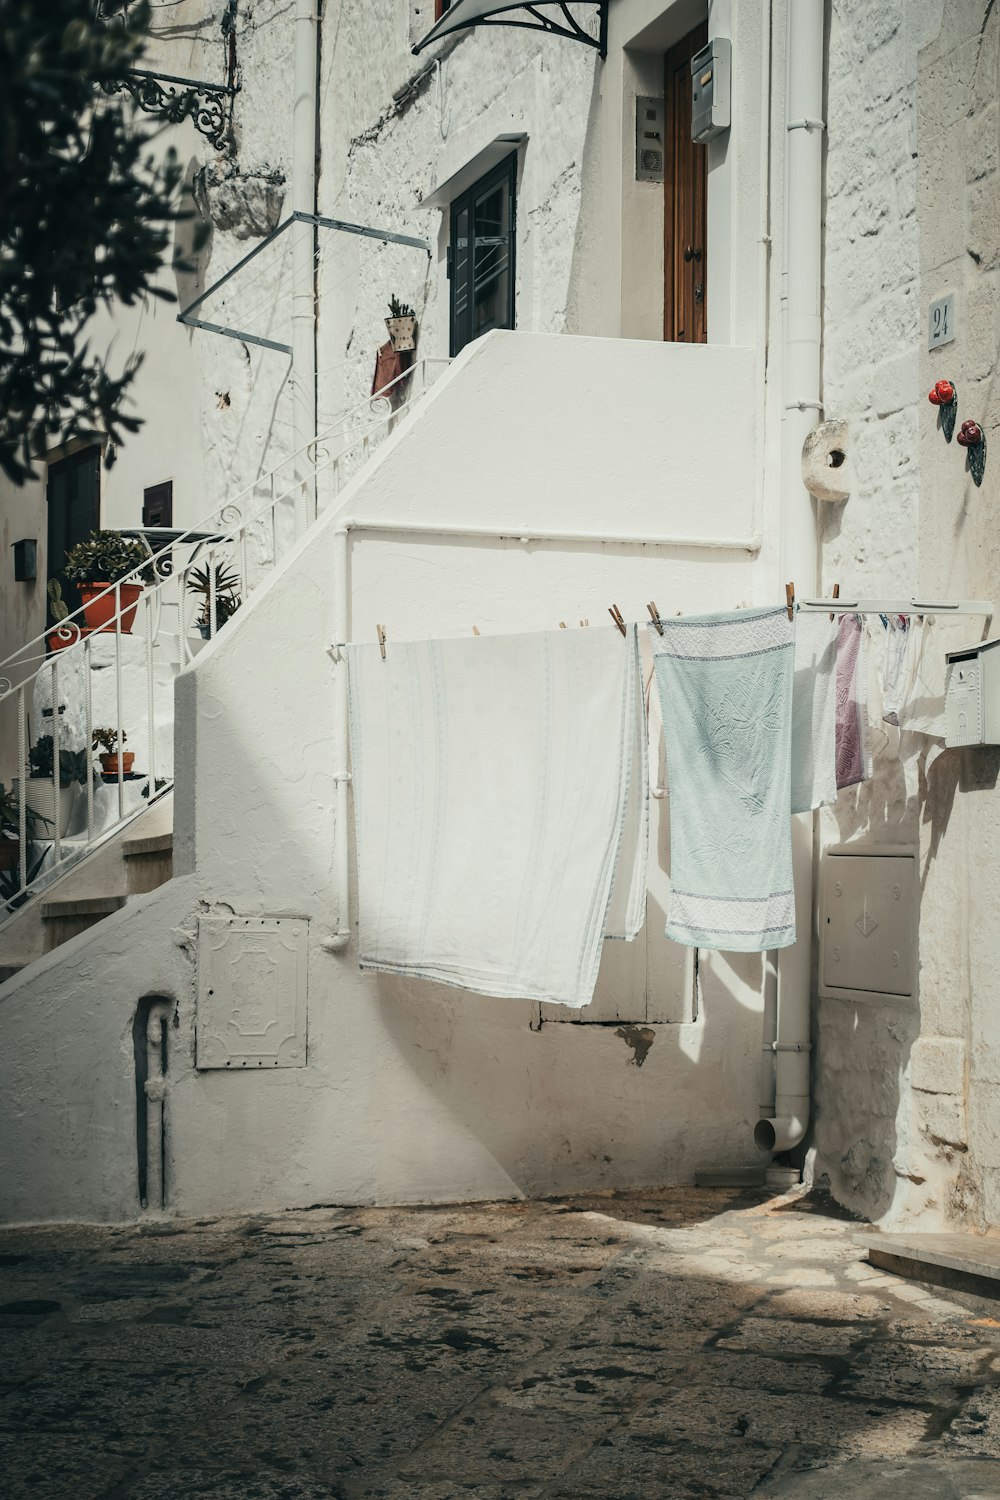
(137, 860)
(968, 1262)
(149, 862)
(66, 919)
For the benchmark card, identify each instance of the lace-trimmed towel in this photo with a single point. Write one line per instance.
(725, 685)
(500, 806)
(814, 713)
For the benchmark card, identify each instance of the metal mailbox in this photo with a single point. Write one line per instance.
(710, 89)
(972, 695)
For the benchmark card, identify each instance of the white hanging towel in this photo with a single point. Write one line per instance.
(500, 808)
(814, 713)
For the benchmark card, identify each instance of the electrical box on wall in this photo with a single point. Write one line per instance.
(648, 139)
(868, 922)
(25, 560)
(972, 695)
(710, 89)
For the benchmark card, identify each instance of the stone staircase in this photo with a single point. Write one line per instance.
(135, 860)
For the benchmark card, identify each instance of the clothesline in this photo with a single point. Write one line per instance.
(897, 606)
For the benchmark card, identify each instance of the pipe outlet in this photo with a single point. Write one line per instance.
(826, 465)
(781, 1133)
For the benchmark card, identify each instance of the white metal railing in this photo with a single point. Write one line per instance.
(120, 675)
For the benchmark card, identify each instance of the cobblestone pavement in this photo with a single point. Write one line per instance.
(659, 1346)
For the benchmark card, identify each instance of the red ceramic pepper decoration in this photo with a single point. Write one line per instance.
(945, 397)
(972, 438)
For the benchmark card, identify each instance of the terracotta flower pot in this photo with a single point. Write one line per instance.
(99, 613)
(59, 641)
(402, 333)
(109, 763)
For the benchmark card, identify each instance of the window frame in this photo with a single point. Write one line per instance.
(505, 171)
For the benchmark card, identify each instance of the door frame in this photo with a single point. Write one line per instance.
(682, 51)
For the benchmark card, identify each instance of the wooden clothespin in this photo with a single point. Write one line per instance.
(618, 618)
(380, 632)
(475, 630)
(836, 595)
(654, 615)
(562, 624)
(584, 622)
(790, 600)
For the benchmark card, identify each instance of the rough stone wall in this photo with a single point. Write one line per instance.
(956, 1100)
(393, 128)
(909, 1094)
(873, 309)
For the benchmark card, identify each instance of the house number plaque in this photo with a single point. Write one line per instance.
(941, 322)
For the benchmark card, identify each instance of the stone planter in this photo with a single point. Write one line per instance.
(402, 333)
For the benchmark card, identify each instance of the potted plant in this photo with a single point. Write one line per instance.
(402, 325)
(10, 827)
(40, 791)
(104, 559)
(224, 582)
(109, 760)
(63, 635)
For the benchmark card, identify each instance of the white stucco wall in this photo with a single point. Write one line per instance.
(411, 1092)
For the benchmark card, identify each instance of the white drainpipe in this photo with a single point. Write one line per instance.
(801, 334)
(303, 246)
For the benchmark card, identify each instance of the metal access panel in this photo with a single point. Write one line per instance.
(972, 695)
(710, 90)
(869, 905)
(252, 975)
(649, 138)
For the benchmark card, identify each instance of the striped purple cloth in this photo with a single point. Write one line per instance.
(853, 760)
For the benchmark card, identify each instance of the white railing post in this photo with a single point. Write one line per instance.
(119, 722)
(22, 786)
(88, 698)
(56, 756)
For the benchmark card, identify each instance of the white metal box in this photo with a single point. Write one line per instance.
(972, 695)
(868, 922)
(710, 90)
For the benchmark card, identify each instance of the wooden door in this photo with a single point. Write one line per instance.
(685, 248)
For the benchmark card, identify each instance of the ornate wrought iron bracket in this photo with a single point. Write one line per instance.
(527, 16)
(207, 105)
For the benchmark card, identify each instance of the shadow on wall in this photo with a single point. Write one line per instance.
(578, 1107)
(863, 1049)
(592, 207)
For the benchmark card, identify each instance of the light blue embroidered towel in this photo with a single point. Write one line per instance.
(725, 685)
(500, 808)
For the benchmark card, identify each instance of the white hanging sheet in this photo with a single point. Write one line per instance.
(501, 810)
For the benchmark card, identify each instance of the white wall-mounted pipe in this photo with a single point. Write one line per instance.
(337, 941)
(801, 335)
(156, 1102)
(306, 51)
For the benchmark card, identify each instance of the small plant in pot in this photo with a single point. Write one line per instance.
(109, 760)
(402, 325)
(10, 848)
(63, 635)
(105, 558)
(10, 827)
(219, 579)
(40, 788)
